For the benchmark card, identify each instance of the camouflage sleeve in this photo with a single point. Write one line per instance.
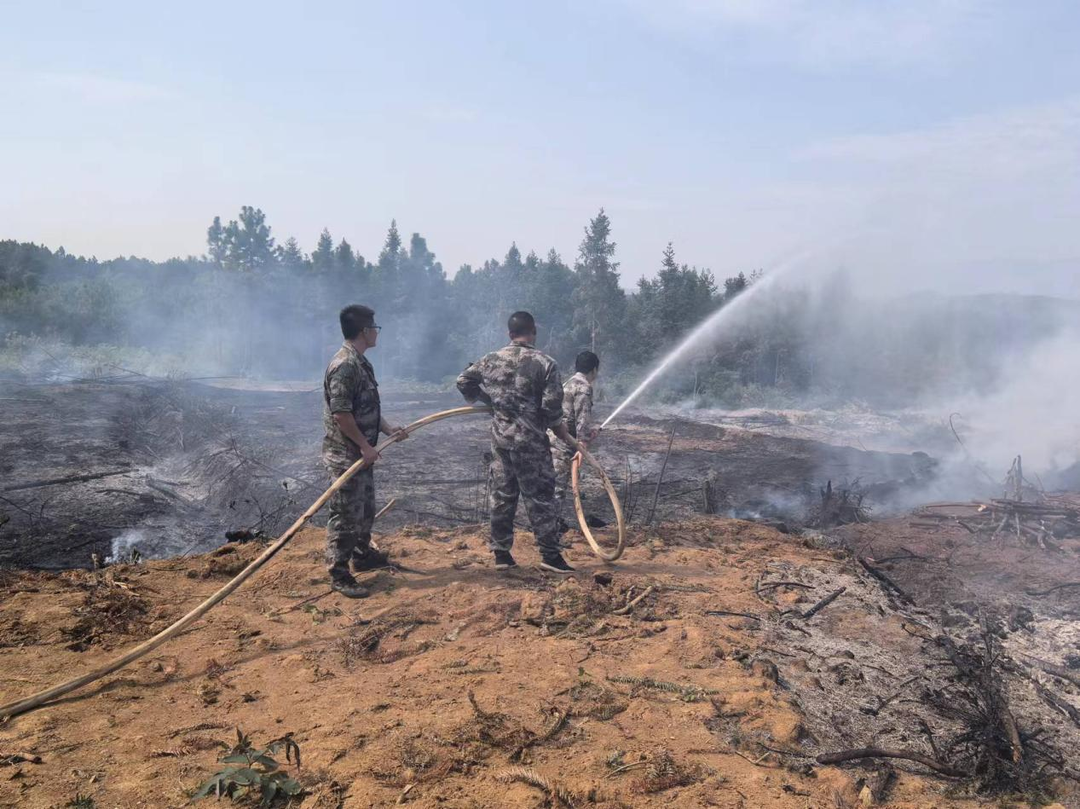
(468, 382)
(342, 384)
(583, 412)
(551, 402)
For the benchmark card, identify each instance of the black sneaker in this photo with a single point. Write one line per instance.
(593, 521)
(556, 564)
(372, 559)
(349, 588)
(504, 561)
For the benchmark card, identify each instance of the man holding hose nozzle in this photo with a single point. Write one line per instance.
(523, 388)
(577, 405)
(352, 417)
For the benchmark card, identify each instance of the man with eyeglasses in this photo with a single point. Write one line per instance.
(352, 418)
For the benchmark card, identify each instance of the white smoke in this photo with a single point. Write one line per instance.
(1034, 412)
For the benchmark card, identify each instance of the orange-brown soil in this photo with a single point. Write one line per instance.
(426, 693)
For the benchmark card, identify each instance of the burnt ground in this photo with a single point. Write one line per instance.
(751, 653)
(193, 461)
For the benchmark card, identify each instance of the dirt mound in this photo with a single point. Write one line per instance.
(709, 667)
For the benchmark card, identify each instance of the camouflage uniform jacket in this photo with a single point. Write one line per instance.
(577, 402)
(349, 386)
(524, 389)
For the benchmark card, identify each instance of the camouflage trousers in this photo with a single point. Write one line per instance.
(528, 474)
(561, 457)
(352, 513)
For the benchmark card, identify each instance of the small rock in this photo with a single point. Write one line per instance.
(766, 669)
(951, 619)
(603, 578)
(1021, 618)
(534, 608)
(970, 607)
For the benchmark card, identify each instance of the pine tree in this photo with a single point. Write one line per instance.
(215, 241)
(322, 259)
(248, 245)
(733, 286)
(344, 258)
(290, 256)
(387, 271)
(600, 303)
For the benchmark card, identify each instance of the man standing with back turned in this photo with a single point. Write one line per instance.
(523, 388)
(577, 406)
(352, 417)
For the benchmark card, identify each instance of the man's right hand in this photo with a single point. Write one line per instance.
(369, 454)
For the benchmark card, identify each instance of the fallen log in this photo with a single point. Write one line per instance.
(829, 599)
(1054, 669)
(841, 756)
(38, 484)
(1053, 589)
(886, 581)
(1054, 701)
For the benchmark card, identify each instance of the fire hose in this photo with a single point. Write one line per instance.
(21, 706)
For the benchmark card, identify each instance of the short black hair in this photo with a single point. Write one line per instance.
(354, 318)
(586, 362)
(521, 324)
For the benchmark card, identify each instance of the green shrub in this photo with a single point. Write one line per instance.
(254, 772)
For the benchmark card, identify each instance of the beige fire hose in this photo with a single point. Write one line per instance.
(575, 474)
(21, 706)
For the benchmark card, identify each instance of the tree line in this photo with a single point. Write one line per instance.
(254, 306)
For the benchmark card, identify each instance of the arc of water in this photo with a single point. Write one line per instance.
(709, 325)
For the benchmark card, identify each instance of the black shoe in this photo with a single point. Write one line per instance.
(349, 588)
(593, 521)
(504, 561)
(556, 564)
(371, 559)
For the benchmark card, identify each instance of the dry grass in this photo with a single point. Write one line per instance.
(107, 610)
(663, 772)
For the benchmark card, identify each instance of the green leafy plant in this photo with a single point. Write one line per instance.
(250, 771)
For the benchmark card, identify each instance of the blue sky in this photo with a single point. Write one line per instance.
(918, 142)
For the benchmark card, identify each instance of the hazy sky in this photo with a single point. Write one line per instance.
(924, 142)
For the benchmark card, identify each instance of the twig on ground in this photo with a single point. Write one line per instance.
(633, 766)
(630, 606)
(531, 777)
(769, 584)
(660, 478)
(1053, 589)
(841, 756)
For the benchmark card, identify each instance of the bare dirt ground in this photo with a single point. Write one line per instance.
(718, 688)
